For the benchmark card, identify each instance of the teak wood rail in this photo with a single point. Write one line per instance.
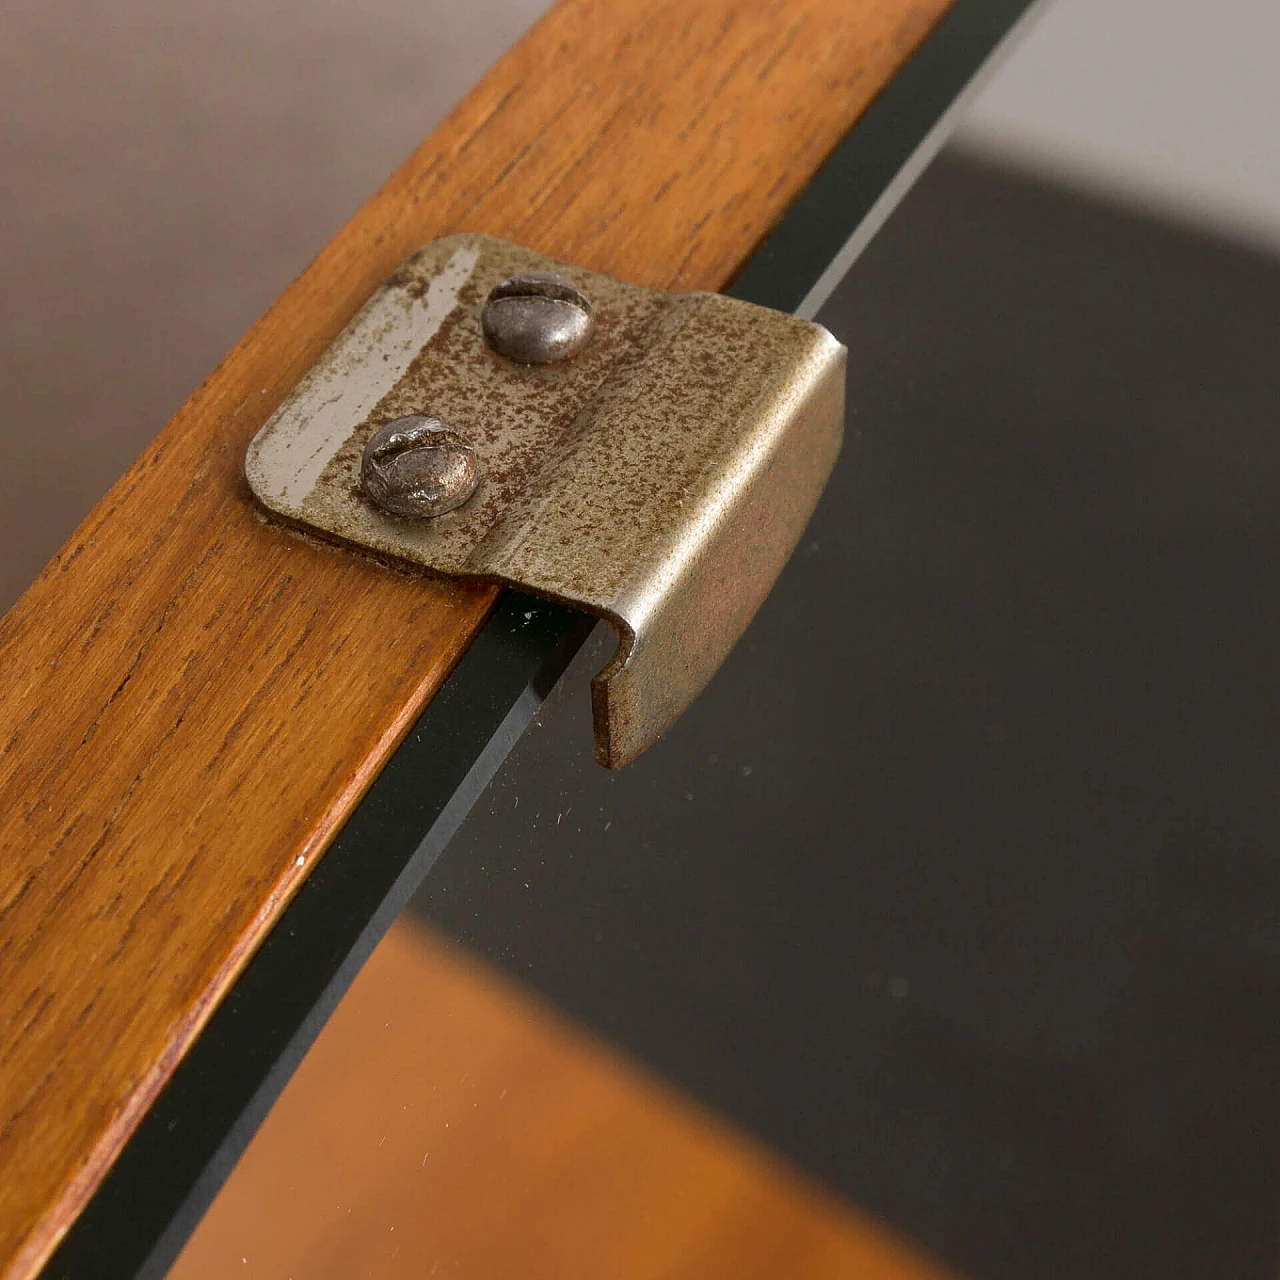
(193, 699)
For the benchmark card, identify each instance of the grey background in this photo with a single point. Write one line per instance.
(168, 169)
(1168, 104)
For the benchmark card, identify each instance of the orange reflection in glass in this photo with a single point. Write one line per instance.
(447, 1123)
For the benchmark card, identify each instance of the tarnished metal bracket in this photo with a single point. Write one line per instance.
(659, 476)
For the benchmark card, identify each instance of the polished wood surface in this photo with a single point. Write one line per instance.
(446, 1123)
(194, 699)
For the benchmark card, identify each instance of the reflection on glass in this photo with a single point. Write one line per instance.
(449, 1123)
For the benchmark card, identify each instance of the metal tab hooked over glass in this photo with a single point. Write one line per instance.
(649, 457)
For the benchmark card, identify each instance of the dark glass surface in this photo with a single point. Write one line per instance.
(960, 885)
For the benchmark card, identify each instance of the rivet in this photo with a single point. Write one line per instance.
(537, 318)
(418, 466)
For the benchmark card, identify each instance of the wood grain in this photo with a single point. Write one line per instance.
(446, 1120)
(193, 699)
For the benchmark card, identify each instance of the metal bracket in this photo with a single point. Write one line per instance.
(658, 476)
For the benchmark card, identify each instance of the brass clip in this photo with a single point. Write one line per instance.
(656, 470)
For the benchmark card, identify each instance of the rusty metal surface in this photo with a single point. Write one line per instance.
(659, 478)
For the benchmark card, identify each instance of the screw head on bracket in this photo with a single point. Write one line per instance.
(417, 466)
(537, 318)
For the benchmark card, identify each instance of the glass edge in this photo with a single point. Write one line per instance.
(803, 259)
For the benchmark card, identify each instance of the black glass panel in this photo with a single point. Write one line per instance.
(961, 883)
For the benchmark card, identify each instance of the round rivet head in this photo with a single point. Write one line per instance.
(417, 466)
(537, 318)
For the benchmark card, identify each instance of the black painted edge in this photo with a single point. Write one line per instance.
(901, 121)
(176, 1161)
(189, 1141)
